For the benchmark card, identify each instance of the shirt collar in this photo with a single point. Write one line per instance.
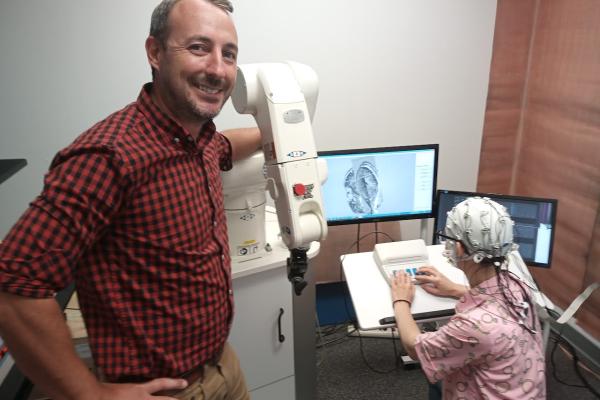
(157, 117)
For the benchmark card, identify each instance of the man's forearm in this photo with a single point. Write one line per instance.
(244, 141)
(38, 338)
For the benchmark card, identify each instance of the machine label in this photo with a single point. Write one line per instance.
(297, 153)
(293, 116)
(247, 217)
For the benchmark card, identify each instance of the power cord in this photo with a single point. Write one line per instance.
(322, 344)
(346, 293)
(397, 356)
(340, 338)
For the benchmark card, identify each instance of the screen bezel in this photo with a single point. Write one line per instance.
(494, 196)
(434, 147)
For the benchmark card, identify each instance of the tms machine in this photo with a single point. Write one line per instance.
(282, 98)
(280, 357)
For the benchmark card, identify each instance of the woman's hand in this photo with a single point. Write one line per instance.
(436, 283)
(402, 287)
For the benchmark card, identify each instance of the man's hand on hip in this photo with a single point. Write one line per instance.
(140, 391)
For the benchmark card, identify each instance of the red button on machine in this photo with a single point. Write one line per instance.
(299, 189)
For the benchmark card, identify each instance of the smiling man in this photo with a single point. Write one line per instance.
(194, 62)
(132, 211)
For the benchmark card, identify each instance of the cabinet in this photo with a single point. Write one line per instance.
(274, 369)
(267, 362)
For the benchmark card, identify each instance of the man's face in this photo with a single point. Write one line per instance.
(197, 66)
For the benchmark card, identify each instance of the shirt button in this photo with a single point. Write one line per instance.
(176, 140)
(190, 139)
(230, 292)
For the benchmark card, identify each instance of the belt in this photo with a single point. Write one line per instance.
(193, 375)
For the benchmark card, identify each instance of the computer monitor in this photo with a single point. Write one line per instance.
(534, 218)
(380, 184)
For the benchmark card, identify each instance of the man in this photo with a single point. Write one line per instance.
(492, 347)
(132, 211)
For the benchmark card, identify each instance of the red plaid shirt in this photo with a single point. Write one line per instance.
(132, 211)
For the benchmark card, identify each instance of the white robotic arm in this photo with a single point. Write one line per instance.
(282, 99)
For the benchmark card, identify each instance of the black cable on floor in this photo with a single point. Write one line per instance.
(346, 292)
(586, 385)
(333, 329)
(553, 363)
(397, 357)
(333, 341)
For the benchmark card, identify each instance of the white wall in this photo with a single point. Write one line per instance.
(392, 72)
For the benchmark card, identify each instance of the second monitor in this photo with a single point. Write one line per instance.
(380, 184)
(534, 221)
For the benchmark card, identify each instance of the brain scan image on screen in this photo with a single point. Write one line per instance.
(363, 190)
(379, 184)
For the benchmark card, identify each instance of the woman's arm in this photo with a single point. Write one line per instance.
(403, 292)
(438, 284)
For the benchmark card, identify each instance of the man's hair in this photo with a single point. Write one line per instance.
(158, 24)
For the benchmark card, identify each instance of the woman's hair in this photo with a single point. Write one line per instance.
(485, 229)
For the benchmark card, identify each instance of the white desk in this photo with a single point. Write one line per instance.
(372, 299)
(371, 294)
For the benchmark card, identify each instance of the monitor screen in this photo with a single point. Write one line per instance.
(534, 222)
(379, 184)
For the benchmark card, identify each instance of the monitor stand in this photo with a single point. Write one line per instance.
(424, 229)
(8, 167)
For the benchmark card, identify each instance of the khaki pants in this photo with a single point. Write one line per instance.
(224, 381)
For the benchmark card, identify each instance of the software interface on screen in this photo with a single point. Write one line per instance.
(379, 184)
(534, 221)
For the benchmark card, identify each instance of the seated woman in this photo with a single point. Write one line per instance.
(492, 347)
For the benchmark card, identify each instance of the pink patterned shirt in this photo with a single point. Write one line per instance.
(483, 352)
